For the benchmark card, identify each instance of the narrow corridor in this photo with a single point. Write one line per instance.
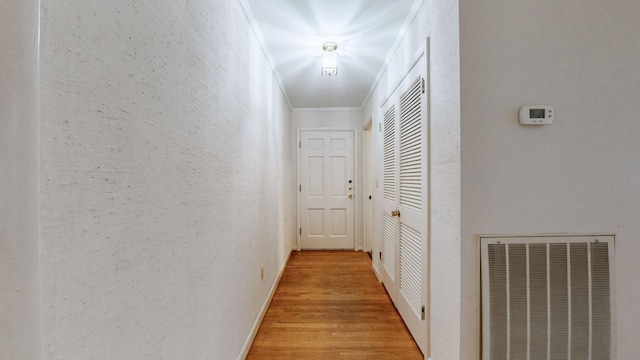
(329, 305)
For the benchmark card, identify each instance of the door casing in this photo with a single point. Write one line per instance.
(368, 188)
(358, 193)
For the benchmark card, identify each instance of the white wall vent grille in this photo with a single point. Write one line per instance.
(547, 298)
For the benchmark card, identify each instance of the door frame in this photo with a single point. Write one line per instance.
(358, 193)
(368, 189)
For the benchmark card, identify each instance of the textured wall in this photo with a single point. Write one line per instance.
(321, 119)
(20, 334)
(165, 179)
(580, 174)
(437, 20)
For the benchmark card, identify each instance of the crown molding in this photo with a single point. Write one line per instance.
(394, 48)
(334, 109)
(265, 50)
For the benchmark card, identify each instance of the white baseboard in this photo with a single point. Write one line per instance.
(376, 272)
(263, 311)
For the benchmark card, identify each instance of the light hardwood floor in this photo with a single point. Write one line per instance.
(329, 305)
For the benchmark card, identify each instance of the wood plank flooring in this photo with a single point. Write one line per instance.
(329, 305)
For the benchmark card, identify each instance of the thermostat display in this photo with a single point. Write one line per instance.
(536, 115)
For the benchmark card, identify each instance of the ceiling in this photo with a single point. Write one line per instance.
(294, 31)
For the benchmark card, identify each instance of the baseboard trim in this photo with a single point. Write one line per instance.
(263, 311)
(376, 273)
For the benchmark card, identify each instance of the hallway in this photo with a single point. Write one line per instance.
(329, 305)
(151, 179)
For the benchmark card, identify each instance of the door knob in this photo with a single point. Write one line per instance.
(350, 196)
(395, 213)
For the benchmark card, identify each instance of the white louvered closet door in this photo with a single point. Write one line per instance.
(390, 201)
(412, 295)
(405, 202)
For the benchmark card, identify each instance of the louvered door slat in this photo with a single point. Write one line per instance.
(412, 165)
(410, 261)
(411, 147)
(411, 151)
(389, 161)
(389, 251)
(413, 168)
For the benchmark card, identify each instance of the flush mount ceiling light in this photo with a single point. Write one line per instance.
(329, 59)
(330, 46)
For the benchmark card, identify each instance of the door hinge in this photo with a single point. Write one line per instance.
(380, 126)
(423, 86)
(369, 197)
(300, 231)
(380, 255)
(300, 188)
(424, 315)
(299, 144)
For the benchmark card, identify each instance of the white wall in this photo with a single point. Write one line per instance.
(20, 335)
(579, 175)
(326, 119)
(437, 20)
(165, 179)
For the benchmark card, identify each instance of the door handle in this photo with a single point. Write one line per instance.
(395, 213)
(350, 196)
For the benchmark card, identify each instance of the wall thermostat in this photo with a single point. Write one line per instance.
(536, 115)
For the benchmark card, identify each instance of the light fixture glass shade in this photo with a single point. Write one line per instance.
(330, 63)
(329, 46)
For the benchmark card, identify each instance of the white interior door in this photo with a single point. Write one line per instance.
(327, 188)
(413, 216)
(405, 202)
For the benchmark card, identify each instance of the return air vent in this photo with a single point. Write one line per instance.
(547, 297)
